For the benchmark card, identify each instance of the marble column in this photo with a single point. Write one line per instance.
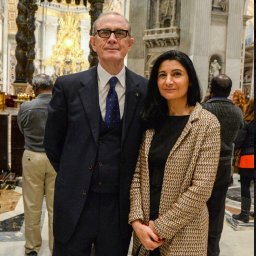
(195, 36)
(157, 21)
(138, 20)
(5, 47)
(234, 42)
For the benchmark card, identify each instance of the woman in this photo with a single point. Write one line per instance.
(245, 143)
(177, 164)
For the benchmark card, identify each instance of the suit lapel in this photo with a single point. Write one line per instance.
(90, 100)
(132, 97)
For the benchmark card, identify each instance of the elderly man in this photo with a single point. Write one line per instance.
(93, 134)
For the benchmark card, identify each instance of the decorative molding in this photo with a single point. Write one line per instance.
(65, 8)
(162, 37)
(12, 14)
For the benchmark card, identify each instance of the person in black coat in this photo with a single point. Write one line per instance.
(231, 120)
(245, 143)
(92, 138)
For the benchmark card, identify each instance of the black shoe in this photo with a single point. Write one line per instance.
(33, 253)
(243, 216)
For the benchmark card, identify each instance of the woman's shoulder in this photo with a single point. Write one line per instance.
(205, 116)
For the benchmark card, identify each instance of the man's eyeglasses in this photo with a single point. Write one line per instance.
(106, 33)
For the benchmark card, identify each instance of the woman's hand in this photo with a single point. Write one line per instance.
(148, 238)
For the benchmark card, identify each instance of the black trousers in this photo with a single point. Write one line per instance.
(98, 225)
(216, 208)
(245, 186)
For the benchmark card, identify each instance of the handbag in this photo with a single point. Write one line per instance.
(246, 161)
(236, 158)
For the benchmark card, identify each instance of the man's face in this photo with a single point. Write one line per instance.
(112, 49)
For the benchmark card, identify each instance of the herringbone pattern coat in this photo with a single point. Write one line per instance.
(187, 184)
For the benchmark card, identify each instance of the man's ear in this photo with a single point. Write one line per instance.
(131, 42)
(92, 42)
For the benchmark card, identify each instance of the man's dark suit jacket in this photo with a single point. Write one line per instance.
(71, 141)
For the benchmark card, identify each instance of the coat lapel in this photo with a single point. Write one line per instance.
(194, 116)
(132, 97)
(90, 100)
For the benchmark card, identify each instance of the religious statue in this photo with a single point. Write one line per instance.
(220, 5)
(223, 4)
(214, 69)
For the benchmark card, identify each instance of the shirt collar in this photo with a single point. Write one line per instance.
(104, 76)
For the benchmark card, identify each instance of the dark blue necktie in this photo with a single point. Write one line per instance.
(112, 118)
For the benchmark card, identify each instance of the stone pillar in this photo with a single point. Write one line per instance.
(95, 11)
(157, 21)
(5, 47)
(186, 29)
(1, 46)
(31, 26)
(138, 17)
(21, 39)
(196, 35)
(234, 42)
(173, 12)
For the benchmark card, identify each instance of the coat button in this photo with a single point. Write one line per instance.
(90, 167)
(99, 183)
(84, 193)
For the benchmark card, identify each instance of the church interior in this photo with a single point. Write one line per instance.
(52, 37)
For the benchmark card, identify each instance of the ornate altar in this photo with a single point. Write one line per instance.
(68, 57)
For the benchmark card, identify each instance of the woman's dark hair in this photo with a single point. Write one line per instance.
(156, 109)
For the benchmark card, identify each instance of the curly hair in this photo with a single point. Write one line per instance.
(249, 112)
(238, 99)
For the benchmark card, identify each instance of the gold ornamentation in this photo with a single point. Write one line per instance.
(67, 56)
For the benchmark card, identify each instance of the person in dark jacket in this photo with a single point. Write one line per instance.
(245, 142)
(92, 138)
(231, 120)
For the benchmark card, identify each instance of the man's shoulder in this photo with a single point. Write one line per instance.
(135, 75)
(76, 78)
(220, 103)
(137, 80)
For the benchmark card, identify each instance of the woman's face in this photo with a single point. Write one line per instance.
(173, 81)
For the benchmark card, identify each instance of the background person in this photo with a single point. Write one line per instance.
(239, 100)
(177, 163)
(93, 134)
(231, 120)
(245, 142)
(38, 175)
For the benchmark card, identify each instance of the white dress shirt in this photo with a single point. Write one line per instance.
(103, 87)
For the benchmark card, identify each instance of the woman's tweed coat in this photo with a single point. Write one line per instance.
(187, 184)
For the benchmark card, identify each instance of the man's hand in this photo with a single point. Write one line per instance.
(147, 236)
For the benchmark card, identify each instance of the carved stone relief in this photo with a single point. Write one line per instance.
(12, 65)
(162, 13)
(12, 14)
(220, 5)
(113, 5)
(167, 13)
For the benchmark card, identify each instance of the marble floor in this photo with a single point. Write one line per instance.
(237, 238)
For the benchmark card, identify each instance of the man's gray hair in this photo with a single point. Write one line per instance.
(42, 82)
(94, 26)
